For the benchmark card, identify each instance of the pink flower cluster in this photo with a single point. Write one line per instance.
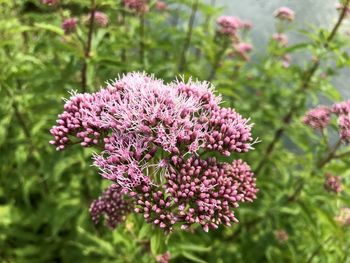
(113, 205)
(163, 258)
(230, 25)
(284, 13)
(280, 38)
(69, 25)
(319, 118)
(100, 18)
(152, 135)
(333, 183)
(242, 49)
(161, 6)
(139, 6)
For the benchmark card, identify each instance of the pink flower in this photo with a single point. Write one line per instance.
(286, 59)
(284, 13)
(229, 25)
(341, 108)
(139, 6)
(318, 118)
(69, 25)
(100, 18)
(152, 135)
(333, 183)
(163, 258)
(280, 38)
(242, 49)
(50, 2)
(161, 6)
(344, 127)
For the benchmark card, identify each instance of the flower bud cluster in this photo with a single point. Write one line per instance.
(319, 118)
(152, 135)
(139, 6)
(113, 205)
(333, 183)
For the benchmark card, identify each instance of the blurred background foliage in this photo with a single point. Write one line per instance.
(45, 195)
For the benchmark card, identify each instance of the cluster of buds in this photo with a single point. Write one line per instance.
(69, 25)
(161, 6)
(138, 6)
(153, 135)
(163, 258)
(112, 204)
(100, 19)
(319, 118)
(231, 26)
(284, 13)
(281, 39)
(333, 183)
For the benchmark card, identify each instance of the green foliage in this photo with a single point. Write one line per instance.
(45, 195)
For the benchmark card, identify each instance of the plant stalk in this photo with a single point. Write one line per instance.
(87, 50)
(142, 40)
(186, 46)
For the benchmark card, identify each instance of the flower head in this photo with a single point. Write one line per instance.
(139, 6)
(229, 25)
(341, 108)
(344, 127)
(69, 25)
(161, 6)
(280, 38)
(113, 205)
(318, 118)
(333, 183)
(163, 258)
(284, 13)
(152, 134)
(100, 18)
(242, 49)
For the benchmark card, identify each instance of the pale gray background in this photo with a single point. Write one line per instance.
(308, 13)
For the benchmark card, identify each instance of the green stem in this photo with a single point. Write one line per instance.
(217, 60)
(87, 51)
(142, 36)
(183, 60)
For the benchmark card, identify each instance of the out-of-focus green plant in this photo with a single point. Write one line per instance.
(45, 195)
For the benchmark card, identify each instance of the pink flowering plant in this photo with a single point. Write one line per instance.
(154, 137)
(161, 163)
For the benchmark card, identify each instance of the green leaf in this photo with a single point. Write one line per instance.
(49, 27)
